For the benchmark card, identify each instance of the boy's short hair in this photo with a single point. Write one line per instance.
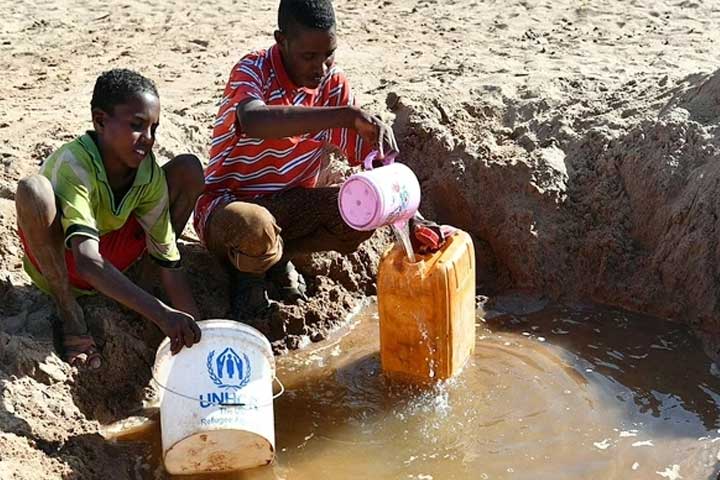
(315, 14)
(118, 86)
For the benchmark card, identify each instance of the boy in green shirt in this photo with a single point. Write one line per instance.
(98, 204)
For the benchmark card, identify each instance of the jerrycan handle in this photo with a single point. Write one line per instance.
(389, 158)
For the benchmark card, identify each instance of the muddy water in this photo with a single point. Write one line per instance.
(563, 394)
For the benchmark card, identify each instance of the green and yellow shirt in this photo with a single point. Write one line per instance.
(89, 208)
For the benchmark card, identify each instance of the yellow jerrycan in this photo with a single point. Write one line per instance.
(427, 310)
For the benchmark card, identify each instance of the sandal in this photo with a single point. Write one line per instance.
(288, 282)
(249, 298)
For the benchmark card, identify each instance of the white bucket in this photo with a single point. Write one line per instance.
(216, 408)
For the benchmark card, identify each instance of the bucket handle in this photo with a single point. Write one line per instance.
(241, 405)
(389, 158)
(282, 387)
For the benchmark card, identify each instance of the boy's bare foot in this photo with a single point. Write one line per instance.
(81, 351)
(76, 345)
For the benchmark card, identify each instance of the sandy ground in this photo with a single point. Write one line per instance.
(576, 140)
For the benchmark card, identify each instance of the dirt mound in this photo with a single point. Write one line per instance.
(699, 96)
(50, 414)
(578, 200)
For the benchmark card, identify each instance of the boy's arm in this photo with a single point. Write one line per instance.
(154, 216)
(258, 120)
(177, 288)
(104, 277)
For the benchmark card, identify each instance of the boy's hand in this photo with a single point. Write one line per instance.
(180, 320)
(180, 328)
(101, 274)
(375, 132)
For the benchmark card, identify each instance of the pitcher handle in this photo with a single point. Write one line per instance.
(389, 158)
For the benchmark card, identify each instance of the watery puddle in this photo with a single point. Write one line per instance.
(562, 394)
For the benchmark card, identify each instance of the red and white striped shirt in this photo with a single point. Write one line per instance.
(242, 167)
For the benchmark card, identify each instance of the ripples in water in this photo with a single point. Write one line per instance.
(562, 393)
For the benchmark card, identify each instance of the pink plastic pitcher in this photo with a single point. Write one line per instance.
(388, 195)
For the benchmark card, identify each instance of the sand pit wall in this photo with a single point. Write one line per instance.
(612, 198)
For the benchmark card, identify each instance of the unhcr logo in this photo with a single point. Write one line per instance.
(229, 370)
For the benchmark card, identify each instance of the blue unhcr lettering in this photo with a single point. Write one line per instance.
(216, 399)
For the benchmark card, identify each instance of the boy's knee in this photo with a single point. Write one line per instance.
(248, 235)
(35, 195)
(260, 232)
(246, 227)
(35, 186)
(186, 173)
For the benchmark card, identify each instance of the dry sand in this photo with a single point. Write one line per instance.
(575, 139)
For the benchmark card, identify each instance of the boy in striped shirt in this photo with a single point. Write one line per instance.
(283, 109)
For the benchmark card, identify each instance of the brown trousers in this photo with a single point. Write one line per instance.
(254, 235)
